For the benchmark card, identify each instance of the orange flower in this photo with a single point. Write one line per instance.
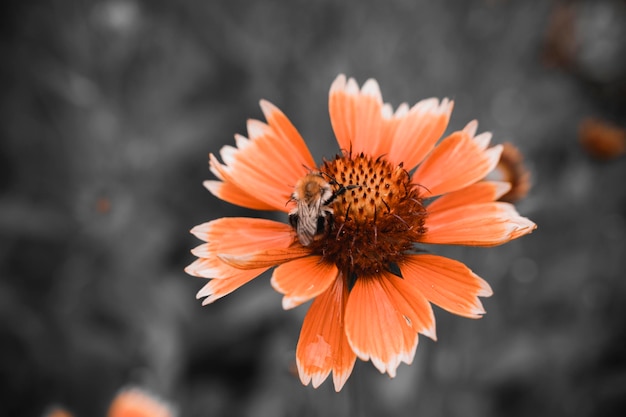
(355, 223)
(135, 402)
(602, 139)
(129, 402)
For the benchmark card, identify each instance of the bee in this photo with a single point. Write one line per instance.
(312, 217)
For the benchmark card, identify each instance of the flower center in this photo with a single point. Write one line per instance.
(377, 215)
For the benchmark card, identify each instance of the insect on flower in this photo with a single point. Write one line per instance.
(360, 222)
(312, 217)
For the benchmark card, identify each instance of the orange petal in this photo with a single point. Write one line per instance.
(356, 116)
(251, 197)
(237, 236)
(138, 403)
(265, 258)
(229, 192)
(455, 163)
(341, 109)
(267, 166)
(383, 317)
(287, 132)
(303, 279)
(323, 346)
(211, 267)
(447, 283)
(481, 140)
(414, 134)
(486, 224)
(237, 251)
(480, 192)
(226, 282)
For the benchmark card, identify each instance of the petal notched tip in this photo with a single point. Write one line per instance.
(340, 378)
(485, 289)
(315, 378)
(402, 110)
(471, 128)
(256, 129)
(493, 155)
(339, 84)
(372, 89)
(291, 302)
(267, 108)
(430, 331)
(349, 86)
(522, 226)
(391, 365)
(205, 291)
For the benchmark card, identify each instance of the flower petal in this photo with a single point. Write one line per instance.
(356, 116)
(265, 258)
(341, 110)
(229, 192)
(303, 279)
(455, 163)
(218, 288)
(265, 167)
(481, 140)
(383, 317)
(486, 224)
(250, 247)
(480, 192)
(225, 278)
(323, 346)
(288, 134)
(412, 135)
(447, 283)
(240, 236)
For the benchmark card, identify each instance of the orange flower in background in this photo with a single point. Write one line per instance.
(601, 139)
(354, 225)
(129, 402)
(135, 402)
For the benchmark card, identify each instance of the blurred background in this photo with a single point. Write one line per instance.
(110, 108)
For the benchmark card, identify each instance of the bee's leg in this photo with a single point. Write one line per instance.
(339, 192)
(321, 225)
(293, 219)
(330, 220)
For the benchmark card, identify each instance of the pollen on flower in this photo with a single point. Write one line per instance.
(377, 219)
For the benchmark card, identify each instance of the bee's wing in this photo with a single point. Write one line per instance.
(307, 220)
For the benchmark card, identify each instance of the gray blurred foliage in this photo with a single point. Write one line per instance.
(109, 110)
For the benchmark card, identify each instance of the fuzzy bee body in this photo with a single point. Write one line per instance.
(312, 217)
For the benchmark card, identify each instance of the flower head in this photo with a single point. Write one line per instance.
(357, 223)
(128, 402)
(602, 139)
(135, 402)
(511, 169)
